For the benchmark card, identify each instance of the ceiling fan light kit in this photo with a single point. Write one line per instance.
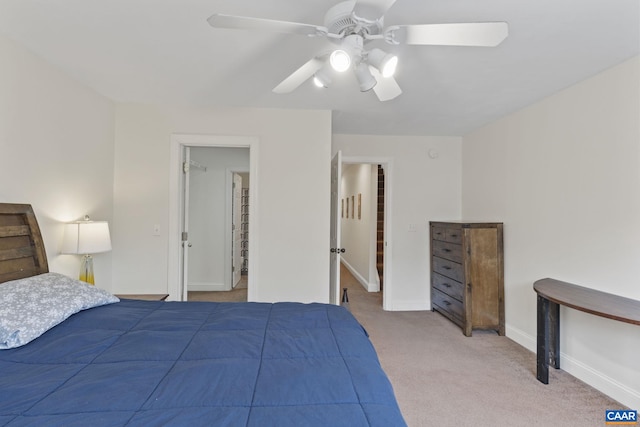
(385, 62)
(322, 78)
(351, 25)
(340, 60)
(365, 78)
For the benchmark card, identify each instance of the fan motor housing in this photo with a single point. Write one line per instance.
(340, 20)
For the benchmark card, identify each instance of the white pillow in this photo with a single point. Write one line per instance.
(30, 307)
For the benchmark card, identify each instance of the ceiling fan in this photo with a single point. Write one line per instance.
(353, 24)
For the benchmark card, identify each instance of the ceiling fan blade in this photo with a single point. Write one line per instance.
(386, 88)
(219, 20)
(469, 34)
(372, 10)
(299, 76)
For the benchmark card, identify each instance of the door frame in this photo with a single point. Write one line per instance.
(176, 208)
(387, 164)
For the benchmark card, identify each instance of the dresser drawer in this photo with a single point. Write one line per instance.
(441, 232)
(447, 285)
(446, 250)
(448, 306)
(448, 268)
(453, 235)
(438, 233)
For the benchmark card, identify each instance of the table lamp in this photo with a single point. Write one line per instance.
(85, 238)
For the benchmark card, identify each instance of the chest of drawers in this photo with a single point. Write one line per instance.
(467, 274)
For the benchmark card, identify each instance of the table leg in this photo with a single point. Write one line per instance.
(548, 345)
(554, 330)
(542, 359)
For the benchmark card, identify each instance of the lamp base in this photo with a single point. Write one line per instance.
(86, 270)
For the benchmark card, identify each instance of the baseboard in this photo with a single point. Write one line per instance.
(521, 337)
(206, 287)
(596, 379)
(369, 287)
(407, 306)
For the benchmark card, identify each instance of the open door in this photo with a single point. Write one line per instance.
(334, 266)
(184, 259)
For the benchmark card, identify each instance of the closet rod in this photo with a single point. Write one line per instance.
(197, 165)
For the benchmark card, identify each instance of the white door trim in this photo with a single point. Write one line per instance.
(178, 141)
(387, 163)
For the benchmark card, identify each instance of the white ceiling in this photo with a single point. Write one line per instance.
(163, 51)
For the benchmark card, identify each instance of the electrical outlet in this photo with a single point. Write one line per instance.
(156, 229)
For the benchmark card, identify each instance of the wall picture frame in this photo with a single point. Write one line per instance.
(353, 207)
(347, 206)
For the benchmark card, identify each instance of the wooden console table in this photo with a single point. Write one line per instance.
(553, 293)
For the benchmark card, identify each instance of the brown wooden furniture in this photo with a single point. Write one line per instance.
(22, 252)
(146, 297)
(467, 274)
(553, 293)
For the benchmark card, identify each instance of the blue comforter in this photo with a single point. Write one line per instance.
(141, 363)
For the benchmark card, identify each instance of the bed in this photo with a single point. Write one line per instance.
(155, 363)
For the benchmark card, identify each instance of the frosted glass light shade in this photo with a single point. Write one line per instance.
(340, 60)
(322, 78)
(86, 237)
(386, 63)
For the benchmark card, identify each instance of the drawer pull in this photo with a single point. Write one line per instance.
(446, 285)
(446, 267)
(446, 303)
(454, 235)
(446, 250)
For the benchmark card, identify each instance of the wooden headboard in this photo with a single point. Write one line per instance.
(22, 251)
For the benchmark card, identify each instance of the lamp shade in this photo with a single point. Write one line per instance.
(86, 237)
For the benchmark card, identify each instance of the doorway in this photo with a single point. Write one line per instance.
(201, 238)
(365, 218)
(214, 227)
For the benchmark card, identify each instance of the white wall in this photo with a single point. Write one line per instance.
(56, 151)
(423, 189)
(208, 268)
(355, 233)
(564, 176)
(293, 182)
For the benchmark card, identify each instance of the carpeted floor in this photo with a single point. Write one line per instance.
(237, 294)
(442, 378)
